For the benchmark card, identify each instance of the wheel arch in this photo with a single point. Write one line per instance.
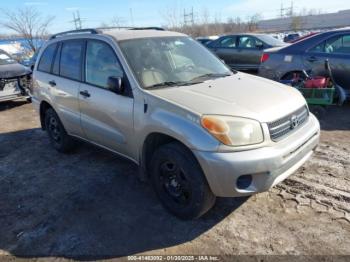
(44, 106)
(284, 75)
(151, 143)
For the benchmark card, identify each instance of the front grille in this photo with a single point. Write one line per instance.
(287, 124)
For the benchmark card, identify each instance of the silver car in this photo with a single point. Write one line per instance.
(196, 129)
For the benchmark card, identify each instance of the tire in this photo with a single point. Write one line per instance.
(290, 75)
(59, 138)
(179, 182)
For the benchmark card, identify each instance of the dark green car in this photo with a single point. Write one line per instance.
(243, 51)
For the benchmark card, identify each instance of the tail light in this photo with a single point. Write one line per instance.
(264, 57)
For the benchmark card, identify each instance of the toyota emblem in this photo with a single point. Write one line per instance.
(294, 122)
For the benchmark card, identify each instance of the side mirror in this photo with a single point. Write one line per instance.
(115, 84)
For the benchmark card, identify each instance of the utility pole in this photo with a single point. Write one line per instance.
(77, 20)
(286, 11)
(281, 10)
(132, 18)
(291, 8)
(189, 17)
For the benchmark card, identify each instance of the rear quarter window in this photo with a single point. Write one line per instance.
(46, 58)
(71, 57)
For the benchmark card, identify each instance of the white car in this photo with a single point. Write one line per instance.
(15, 79)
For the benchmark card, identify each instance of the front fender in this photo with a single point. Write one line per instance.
(184, 127)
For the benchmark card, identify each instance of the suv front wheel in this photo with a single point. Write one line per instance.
(179, 182)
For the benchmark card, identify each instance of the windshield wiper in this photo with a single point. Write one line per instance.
(173, 83)
(165, 84)
(209, 76)
(196, 80)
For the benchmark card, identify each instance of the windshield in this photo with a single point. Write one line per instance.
(170, 61)
(5, 59)
(270, 40)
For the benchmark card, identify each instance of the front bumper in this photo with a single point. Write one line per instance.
(267, 166)
(10, 91)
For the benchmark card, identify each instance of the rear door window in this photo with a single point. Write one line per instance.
(46, 58)
(337, 45)
(56, 62)
(71, 58)
(229, 42)
(249, 42)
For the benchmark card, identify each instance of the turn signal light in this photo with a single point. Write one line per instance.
(217, 128)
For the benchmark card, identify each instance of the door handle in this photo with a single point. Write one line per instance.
(312, 59)
(85, 93)
(52, 83)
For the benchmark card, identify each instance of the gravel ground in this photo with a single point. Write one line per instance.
(90, 204)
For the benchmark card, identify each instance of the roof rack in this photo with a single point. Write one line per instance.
(79, 31)
(148, 28)
(131, 28)
(98, 30)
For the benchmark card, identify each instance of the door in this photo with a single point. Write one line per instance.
(106, 117)
(225, 49)
(59, 75)
(337, 50)
(249, 52)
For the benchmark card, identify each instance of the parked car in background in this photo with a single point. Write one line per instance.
(206, 40)
(243, 51)
(310, 55)
(164, 101)
(291, 37)
(303, 37)
(15, 79)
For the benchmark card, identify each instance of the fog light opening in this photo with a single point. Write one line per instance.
(243, 182)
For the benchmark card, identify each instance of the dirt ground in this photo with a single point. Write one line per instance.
(91, 204)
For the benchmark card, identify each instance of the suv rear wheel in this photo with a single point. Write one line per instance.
(179, 182)
(59, 138)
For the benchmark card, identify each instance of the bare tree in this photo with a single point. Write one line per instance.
(171, 15)
(29, 23)
(118, 21)
(296, 23)
(253, 22)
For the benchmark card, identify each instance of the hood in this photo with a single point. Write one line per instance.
(13, 70)
(240, 95)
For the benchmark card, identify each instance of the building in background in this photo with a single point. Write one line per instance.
(308, 22)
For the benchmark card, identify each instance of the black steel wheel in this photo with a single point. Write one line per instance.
(59, 138)
(179, 182)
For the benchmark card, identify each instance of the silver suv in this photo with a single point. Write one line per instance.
(196, 129)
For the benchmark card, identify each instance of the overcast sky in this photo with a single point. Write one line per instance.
(153, 12)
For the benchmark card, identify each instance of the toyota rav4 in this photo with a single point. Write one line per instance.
(196, 129)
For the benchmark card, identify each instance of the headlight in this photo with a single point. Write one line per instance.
(233, 131)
